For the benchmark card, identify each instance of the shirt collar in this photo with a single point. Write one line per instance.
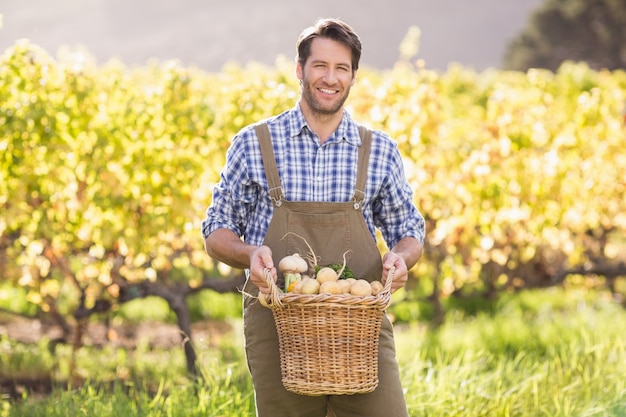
(347, 130)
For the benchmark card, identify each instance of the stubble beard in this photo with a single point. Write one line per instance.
(308, 94)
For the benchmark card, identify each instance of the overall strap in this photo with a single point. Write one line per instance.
(364, 154)
(269, 163)
(273, 179)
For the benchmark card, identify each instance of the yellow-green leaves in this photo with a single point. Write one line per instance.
(508, 168)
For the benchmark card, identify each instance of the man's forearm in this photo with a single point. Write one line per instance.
(409, 249)
(225, 246)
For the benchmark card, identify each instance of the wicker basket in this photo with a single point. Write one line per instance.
(328, 343)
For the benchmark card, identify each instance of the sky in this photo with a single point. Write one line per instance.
(210, 33)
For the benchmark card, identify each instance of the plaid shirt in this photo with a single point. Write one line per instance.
(312, 172)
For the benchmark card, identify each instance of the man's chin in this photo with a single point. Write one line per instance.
(329, 106)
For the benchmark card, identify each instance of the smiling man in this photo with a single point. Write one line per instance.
(326, 78)
(309, 171)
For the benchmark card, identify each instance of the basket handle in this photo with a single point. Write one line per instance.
(387, 286)
(273, 298)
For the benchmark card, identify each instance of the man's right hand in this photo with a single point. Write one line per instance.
(260, 260)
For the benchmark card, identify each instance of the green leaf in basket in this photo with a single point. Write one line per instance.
(347, 272)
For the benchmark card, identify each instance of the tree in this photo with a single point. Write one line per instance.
(592, 31)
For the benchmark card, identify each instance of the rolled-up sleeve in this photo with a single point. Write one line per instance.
(240, 202)
(394, 211)
(229, 208)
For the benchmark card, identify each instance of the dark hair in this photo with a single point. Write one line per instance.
(333, 29)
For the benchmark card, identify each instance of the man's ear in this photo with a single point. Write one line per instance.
(299, 71)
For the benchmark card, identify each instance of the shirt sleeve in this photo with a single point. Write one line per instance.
(233, 196)
(394, 211)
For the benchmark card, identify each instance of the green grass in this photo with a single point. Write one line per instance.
(542, 353)
(227, 395)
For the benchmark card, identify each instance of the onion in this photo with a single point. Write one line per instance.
(293, 263)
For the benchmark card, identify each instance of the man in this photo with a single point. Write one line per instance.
(305, 178)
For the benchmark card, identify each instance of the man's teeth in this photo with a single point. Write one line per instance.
(325, 91)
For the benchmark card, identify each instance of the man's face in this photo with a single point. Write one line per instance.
(326, 76)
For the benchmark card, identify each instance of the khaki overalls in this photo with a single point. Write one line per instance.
(330, 229)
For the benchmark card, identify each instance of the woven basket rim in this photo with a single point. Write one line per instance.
(380, 301)
(277, 299)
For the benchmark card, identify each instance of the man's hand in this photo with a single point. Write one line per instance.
(404, 255)
(260, 260)
(225, 246)
(400, 274)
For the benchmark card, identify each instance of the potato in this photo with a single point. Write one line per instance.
(330, 287)
(345, 285)
(309, 286)
(377, 287)
(326, 274)
(297, 286)
(361, 288)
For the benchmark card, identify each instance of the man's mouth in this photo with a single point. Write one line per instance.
(327, 91)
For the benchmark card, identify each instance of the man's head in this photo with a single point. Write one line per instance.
(328, 58)
(332, 29)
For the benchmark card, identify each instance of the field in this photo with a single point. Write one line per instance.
(539, 353)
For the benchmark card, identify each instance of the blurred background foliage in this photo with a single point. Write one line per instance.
(592, 31)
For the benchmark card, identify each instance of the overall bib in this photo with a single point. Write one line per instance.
(331, 229)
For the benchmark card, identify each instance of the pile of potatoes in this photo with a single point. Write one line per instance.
(327, 281)
(295, 270)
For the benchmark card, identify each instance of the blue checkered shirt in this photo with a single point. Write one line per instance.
(312, 172)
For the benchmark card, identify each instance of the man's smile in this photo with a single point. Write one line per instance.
(327, 91)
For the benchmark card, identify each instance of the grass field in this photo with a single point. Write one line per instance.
(542, 353)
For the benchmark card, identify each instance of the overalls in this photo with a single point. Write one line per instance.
(330, 229)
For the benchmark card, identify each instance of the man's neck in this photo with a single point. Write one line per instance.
(324, 125)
